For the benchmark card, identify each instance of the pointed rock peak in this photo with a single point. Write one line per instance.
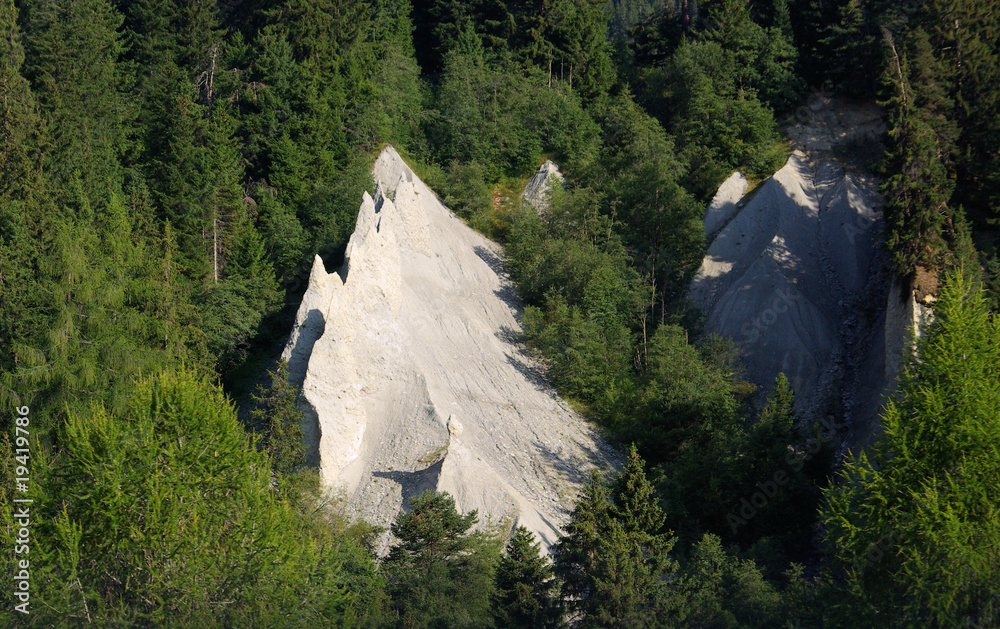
(366, 216)
(390, 153)
(384, 347)
(390, 170)
(318, 273)
(550, 167)
(536, 193)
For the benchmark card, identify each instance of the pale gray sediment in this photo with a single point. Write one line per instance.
(413, 376)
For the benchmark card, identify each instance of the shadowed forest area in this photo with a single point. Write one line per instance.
(170, 168)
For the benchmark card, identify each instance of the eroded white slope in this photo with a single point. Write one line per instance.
(413, 379)
(795, 276)
(536, 192)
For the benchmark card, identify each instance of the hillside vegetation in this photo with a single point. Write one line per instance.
(169, 169)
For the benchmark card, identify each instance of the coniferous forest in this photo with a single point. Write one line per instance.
(169, 169)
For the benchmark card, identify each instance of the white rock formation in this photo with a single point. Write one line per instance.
(536, 193)
(724, 205)
(412, 376)
(797, 278)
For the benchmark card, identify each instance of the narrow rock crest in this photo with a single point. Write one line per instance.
(412, 378)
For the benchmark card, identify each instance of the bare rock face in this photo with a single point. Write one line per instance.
(412, 377)
(798, 276)
(536, 193)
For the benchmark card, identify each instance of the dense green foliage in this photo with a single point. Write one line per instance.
(914, 523)
(441, 573)
(169, 169)
(524, 587)
(280, 420)
(613, 560)
(162, 515)
(934, 66)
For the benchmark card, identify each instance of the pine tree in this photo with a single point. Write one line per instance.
(637, 591)
(964, 35)
(778, 464)
(774, 429)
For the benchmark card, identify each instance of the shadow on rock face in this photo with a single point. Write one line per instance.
(571, 468)
(532, 373)
(491, 259)
(412, 484)
(796, 275)
(507, 293)
(309, 332)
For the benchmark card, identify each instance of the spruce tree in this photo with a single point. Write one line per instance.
(918, 184)
(723, 590)
(854, 44)
(577, 553)
(182, 33)
(19, 131)
(440, 574)
(614, 560)
(25, 206)
(72, 61)
(581, 45)
(525, 586)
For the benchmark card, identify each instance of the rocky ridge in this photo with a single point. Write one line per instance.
(413, 377)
